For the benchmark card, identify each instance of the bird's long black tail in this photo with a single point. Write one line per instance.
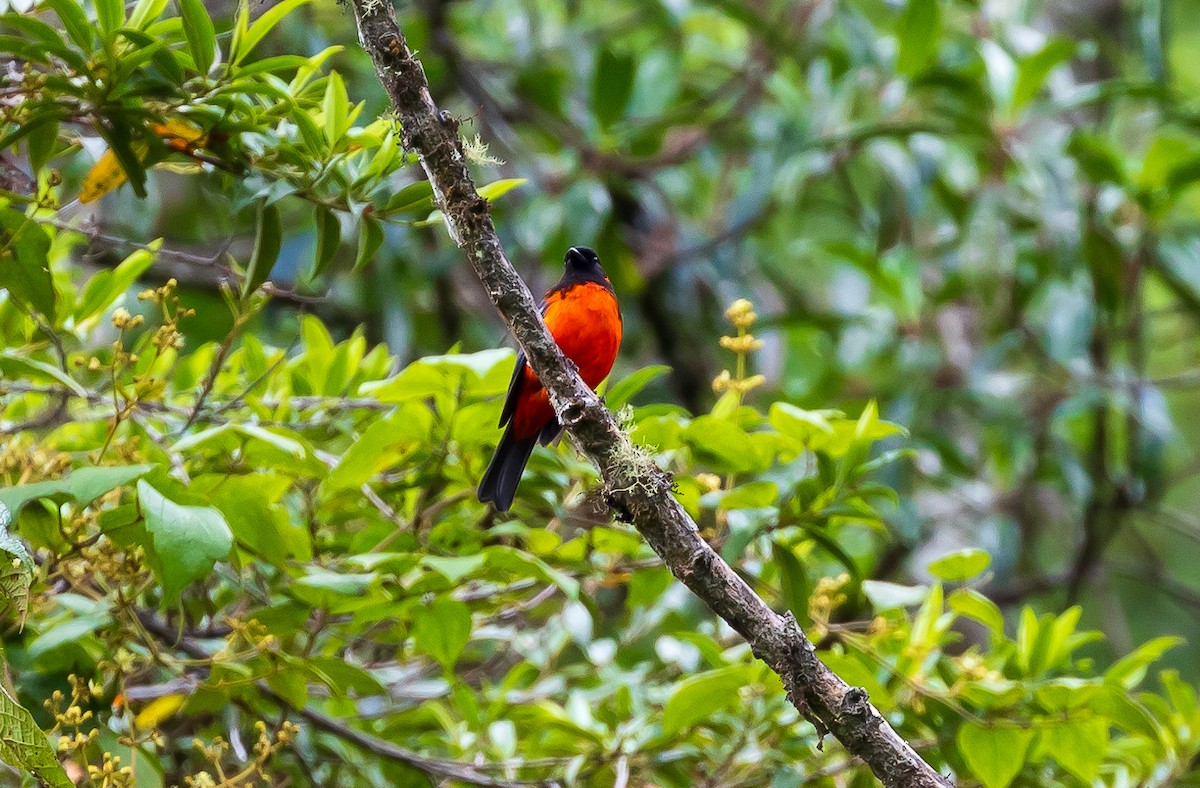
(499, 483)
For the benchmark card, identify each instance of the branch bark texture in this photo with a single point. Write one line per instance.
(638, 491)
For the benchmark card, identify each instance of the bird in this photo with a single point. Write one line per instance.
(582, 314)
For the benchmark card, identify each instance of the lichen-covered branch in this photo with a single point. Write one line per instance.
(638, 490)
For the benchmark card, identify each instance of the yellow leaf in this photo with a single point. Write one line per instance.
(104, 176)
(158, 710)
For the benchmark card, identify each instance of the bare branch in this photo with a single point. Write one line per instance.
(638, 490)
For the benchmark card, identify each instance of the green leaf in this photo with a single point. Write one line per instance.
(110, 14)
(1129, 671)
(794, 586)
(291, 685)
(1080, 746)
(30, 368)
(797, 423)
(1124, 712)
(972, 604)
(199, 32)
(243, 44)
(889, 596)
(413, 198)
(106, 287)
(496, 188)
(612, 85)
(1033, 71)
(442, 630)
(329, 238)
(381, 446)
(751, 495)
(995, 754)
(267, 240)
(960, 565)
(16, 572)
(618, 394)
(370, 238)
(336, 108)
(341, 676)
(41, 146)
(918, 31)
(75, 21)
(24, 262)
(82, 486)
(454, 568)
(146, 12)
(720, 443)
(698, 697)
(187, 540)
(251, 507)
(23, 745)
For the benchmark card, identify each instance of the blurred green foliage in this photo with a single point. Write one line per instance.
(229, 508)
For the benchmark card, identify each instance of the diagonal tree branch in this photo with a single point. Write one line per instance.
(638, 490)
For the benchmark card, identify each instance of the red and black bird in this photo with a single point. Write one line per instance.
(583, 317)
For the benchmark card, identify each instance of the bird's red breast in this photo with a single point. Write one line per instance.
(585, 321)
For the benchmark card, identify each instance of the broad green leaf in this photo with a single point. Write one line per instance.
(454, 568)
(800, 424)
(82, 486)
(268, 237)
(721, 444)
(381, 446)
(413, 198)
(329, 238)
(200, 33)
(994, 754)
(442, 630)
(110, 14)
(918, 32)
(187, 540)
(145, 12)
(518, 563)
(75, 21)
(255, 33)
(251, 507)
(33, 369)
(341, 676)
(104, 288)
(24, 263)
(698, 697)
(41, 146)
(290, 684)
(23, 745)
(889, 596)
(969, 602)
(617, 395)
(16, 569)
(1129, 671)
(335, 108)
(751, 495)
(370, 238)
(794, 586)
(1079, 746)
(960, 565)
(495, 189)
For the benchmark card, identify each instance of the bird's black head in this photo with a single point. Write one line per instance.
(582, 260)
(582, 265)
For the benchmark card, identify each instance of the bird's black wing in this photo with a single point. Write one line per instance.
(518, 378)
(514, 389)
